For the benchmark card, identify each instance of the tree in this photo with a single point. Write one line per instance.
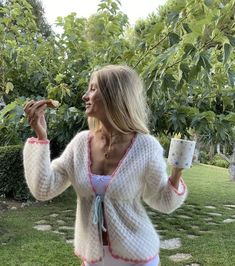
(60, 68)
(24, 54)
(185, 55)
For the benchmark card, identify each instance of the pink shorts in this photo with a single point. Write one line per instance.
(109, 260)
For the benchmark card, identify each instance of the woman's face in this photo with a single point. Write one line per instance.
(93, 101)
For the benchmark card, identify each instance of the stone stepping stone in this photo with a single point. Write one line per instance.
(54, 215)
(195, 227)
(229, 205)
(210, 207)
(25, 204)
(180, 257)
(67, 211)
(192, 236)
(41, 222)
(215, 214)
(170, 244)
(57, 232)
(227, 221)
(61, 222)
(66, 228)
(228, 208)
(208, 219)
(204, 231)
(70, 241)
(233, 216)
(211, 223)
(190, 205)
(42, 227)
(184, 216)
(193, 264)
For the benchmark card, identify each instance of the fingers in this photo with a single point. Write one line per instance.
(28, 105)
(31, 106)
(35, 113)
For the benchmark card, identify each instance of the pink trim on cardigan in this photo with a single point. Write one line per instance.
(37, 141)
(175, 189)
(120, 257)
(122, 159)
(131, 260)
(84, 259)
(89, 160)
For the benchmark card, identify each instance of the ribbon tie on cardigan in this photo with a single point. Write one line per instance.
(98, 217)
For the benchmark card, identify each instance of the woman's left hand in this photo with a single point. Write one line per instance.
(176, 174)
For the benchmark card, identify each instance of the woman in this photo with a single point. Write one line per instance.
(111, 167)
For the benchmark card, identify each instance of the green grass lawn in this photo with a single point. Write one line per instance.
(21, 244)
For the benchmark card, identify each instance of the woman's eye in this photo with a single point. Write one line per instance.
(92, 89)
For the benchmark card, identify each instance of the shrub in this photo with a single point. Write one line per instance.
(219, 161)
(203, 157)
(165, 142)
(12, 181)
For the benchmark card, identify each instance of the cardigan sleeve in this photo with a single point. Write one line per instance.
(44, 178)
(158, 192)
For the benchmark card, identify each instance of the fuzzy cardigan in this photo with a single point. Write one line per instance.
(140, 174)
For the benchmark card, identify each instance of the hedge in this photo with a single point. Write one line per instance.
(12, 181)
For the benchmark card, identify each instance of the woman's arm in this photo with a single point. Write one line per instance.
(44, 178)
(162, 192)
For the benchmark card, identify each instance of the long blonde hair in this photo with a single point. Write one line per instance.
(124, 99)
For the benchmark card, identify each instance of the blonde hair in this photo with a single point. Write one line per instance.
(124, 99)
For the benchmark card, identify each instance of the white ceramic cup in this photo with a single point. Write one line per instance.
(181, 153)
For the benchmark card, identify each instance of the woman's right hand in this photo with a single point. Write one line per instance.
(35, 113)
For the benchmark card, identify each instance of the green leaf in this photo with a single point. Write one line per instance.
(231, 76)
(8, 108)
(230, 117)
(173, 38)
(194, 72)
(166, 54)
(59, 77)
(189, 49)
(186, 27)
(227, 52)
(168, 81)
(185, 71)
(208, 2)
(204, 61)
(231, 39)
(9, 87)
(173, 17)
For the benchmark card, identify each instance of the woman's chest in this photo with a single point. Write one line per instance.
(105, 160)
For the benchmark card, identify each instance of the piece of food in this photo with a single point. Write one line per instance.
(52, 103)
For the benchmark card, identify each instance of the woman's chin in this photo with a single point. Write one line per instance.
(89, 114)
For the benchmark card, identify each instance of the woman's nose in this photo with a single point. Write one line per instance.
(85, 96)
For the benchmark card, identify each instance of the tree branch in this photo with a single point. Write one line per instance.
(154, 46)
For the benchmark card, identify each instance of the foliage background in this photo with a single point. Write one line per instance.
(184, 52)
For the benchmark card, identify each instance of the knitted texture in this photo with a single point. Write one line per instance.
(141, 173)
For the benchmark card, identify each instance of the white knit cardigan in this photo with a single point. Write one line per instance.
(141, 173)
